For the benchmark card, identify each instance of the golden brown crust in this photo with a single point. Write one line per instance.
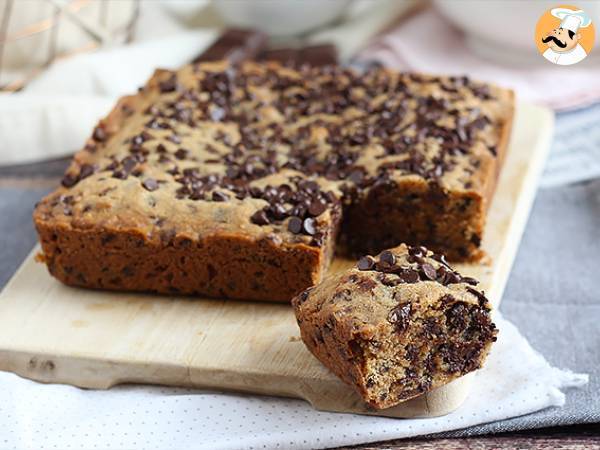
(266, 153)
(218, 266)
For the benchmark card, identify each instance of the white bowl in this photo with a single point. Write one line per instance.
(503, 29)
(281, 18)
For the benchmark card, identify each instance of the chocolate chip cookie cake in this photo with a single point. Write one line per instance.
(239, 181)
(397, 325)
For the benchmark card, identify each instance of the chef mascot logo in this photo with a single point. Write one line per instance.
(565, 35)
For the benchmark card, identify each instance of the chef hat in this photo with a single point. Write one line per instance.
(571, 20)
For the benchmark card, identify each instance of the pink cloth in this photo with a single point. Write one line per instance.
(428, 43)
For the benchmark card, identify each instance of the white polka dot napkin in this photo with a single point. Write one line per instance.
(515, 381)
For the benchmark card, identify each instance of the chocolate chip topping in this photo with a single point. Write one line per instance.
(400, 316)
(415, 268)
(295, 225)
(169, 85)
(387, 259)
(317, 207)
(69, 180)
(409, 276)
(99, 134)
(86, 170)
(428, 271)
(309, 226)
(181, 153)
(260, 218)
(365, 263)
(480, 296)
(318, 122)
(150, 184)
(219, 196)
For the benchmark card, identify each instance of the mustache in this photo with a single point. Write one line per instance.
(555, 40)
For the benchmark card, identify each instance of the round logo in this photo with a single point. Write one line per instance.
(565, 35)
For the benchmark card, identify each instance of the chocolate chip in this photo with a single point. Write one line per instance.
(278, 211)
(128, 163)
(440, 258)
(428, 271)
(366, 263)
(99, 134)
(260, 218)
(480, 296)
(112, 166)
(67, 199)
(295, 225)
(387, 259)
(302, 297)
(197, 194)
(169, 85)
(120, 174)
(86, 170)
(389, 279)
(232, 172)
(150, 184)
(417, 251)
(309, 225)
(399, 316)
(356, 176)
(218, 196)
(299, 210)
(255, 192)
(409, 275)
(317, 207)
(441, 274)
(69, 180)
(470, 280)
(182, 153)
(456, 317)
(452, 278)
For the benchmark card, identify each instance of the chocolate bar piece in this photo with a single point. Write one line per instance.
(285, 56)
(319, 55)
(315, 55)
(235, 45)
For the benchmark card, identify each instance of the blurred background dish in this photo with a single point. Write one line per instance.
(281, 18)
(503, 31)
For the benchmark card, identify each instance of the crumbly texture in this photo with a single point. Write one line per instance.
(236, 181)
(397, 325)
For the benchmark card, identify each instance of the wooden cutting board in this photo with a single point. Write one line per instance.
(53, 333)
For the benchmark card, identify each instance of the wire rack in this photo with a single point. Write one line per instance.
(60, 29)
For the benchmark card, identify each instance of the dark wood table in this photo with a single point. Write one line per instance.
(48, 174)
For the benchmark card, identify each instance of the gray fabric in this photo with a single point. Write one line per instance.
(552, 298)
(17, 235)
(551, 294)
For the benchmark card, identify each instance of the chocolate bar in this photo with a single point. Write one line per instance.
(315, 55)
(235, 45)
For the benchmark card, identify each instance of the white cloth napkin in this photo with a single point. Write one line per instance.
(516, 380)
(53, 116)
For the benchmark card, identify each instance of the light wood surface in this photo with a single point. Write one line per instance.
(52, 333)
